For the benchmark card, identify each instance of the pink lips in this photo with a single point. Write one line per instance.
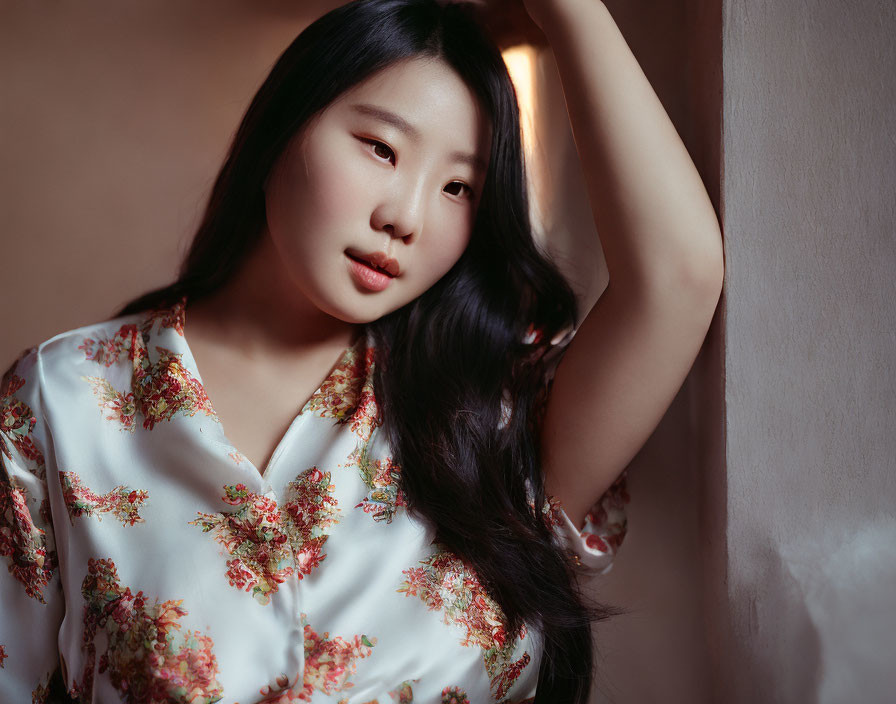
(366, 271)
(378, 260)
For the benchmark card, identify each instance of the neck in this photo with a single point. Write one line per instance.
(261, 311)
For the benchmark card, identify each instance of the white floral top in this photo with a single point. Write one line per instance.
(146, 560)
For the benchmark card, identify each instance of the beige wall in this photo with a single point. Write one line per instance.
(115, 117)
(805, 607)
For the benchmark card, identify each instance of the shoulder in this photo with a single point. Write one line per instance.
(46, 365)
(76, 342)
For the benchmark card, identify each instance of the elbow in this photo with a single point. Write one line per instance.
(706, 281)
(703, 271)
(695, 270)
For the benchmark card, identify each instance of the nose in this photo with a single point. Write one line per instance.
(400, 212)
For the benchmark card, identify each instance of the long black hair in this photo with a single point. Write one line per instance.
(450, 363)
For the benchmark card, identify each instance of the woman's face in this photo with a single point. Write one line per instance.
(392, 169)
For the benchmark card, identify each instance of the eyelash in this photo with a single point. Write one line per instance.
(376, 143)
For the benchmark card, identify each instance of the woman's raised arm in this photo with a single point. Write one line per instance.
(662, 243)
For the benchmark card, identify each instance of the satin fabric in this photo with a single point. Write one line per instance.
(148, 560)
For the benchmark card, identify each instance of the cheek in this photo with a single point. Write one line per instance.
(333, 189)
(444, 251)
(314, 191)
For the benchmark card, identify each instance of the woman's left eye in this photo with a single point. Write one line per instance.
(462, 186)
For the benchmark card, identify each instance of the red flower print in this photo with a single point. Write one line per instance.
(329, 665)
(446, 583)
(41, 693)
(403, 694)
(283, 692)
(551, 511)
(383, 477)
(168, 317)
(595, 542)
(605, 523)
(159, 390)
(330, 662)
(17, 421)
(253, 535)
(311, 511)
(503, 678)
(454, 695)
(29, 549)
(347, 394)
(269, 544)
(122, 502)
(109, 351)
(114, 405)
(148, 656)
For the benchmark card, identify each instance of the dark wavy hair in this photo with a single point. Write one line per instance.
(445, 361)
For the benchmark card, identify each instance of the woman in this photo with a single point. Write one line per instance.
(416, 531)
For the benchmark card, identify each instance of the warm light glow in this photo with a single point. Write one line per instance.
(520, 61)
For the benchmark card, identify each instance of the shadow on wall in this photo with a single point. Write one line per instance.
(796, 640)
(833, 604)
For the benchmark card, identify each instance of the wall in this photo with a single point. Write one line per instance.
(115, 117)
(804, 607)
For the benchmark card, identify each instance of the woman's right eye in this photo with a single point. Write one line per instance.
(379, 148)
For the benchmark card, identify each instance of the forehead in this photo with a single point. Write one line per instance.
(433, 103)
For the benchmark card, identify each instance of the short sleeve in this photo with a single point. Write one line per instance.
(594, 544)
(30, 593)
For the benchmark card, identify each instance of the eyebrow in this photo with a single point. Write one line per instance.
(398, 122)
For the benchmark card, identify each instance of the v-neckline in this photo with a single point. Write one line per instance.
(264, 474)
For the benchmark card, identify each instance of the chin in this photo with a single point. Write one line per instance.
(357, 314)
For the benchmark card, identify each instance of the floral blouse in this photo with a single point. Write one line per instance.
(145, 559)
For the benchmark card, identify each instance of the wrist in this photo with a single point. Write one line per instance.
(550, 14)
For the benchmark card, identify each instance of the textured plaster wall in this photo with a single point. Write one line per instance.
(806, 611)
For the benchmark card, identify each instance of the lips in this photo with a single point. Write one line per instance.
(376, 260)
